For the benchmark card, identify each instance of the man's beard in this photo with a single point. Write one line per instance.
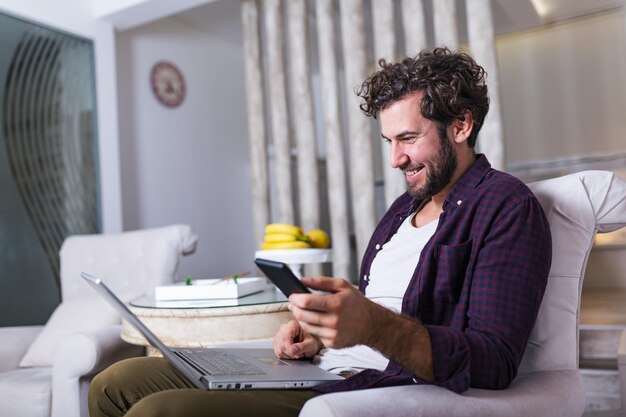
(439, 173)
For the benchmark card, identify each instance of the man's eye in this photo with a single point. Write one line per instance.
(387, 141)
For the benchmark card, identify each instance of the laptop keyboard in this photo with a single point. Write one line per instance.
(220, 363)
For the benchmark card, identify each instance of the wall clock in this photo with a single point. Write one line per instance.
(168, 83)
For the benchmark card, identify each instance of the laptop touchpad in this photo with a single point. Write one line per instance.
(273, 361)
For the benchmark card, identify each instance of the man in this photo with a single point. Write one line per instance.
(450, 284)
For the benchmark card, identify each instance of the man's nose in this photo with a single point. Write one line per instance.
(397, 157)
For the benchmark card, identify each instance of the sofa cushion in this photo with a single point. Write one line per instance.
(543, 394)
(30, 391)
(73, 316)
(15, 343)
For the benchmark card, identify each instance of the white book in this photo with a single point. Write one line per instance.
(208, 289)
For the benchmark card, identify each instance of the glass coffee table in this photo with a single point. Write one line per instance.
(205, 323)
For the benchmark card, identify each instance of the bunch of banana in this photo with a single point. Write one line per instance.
(284, 236)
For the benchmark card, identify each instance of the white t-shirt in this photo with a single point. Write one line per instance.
(390, 274)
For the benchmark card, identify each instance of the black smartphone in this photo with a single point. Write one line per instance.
(281, 275)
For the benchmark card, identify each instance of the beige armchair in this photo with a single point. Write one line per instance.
(549, 383)
(45, 370)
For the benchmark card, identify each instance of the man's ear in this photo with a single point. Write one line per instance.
(462, 128)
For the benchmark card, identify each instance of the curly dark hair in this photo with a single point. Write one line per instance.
(452, 83)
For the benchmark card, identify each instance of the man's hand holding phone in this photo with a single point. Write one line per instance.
(341, 318)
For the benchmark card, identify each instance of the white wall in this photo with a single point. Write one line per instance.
(562, 89)
(108, 130)
(188, 164)
(563, 95)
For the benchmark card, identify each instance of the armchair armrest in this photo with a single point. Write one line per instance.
(15, 343)
(87, 353)
(84, 354)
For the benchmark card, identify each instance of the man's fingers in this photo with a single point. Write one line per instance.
(284, 339)
(307, 301)
(286, 349)
(325, 334)
(321, 302)
(310, 316)
(324, 283)
(307, 348)
(291, 352)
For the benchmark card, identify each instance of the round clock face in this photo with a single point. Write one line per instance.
(168, 84)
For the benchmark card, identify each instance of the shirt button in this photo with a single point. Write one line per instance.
(377, 246)
(458, 203)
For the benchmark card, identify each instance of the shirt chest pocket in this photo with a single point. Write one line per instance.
(452, 263)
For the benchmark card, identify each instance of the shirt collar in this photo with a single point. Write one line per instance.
(468, 181)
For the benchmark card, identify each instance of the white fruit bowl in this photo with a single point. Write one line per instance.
(295, 258)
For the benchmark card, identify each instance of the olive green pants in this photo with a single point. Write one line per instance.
(151, 387)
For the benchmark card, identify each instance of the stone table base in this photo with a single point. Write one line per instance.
(205, 327)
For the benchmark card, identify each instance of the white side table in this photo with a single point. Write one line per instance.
(295, 258)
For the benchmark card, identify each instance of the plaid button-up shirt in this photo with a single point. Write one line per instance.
(477, 286)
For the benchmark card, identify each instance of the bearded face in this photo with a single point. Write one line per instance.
(439, 170)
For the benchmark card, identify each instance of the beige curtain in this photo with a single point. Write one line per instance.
(316, 160)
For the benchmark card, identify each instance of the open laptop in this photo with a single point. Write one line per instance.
(223, 369)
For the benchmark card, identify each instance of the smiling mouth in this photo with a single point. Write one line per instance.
(412, 171)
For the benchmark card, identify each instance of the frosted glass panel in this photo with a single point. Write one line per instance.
(48, 162)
